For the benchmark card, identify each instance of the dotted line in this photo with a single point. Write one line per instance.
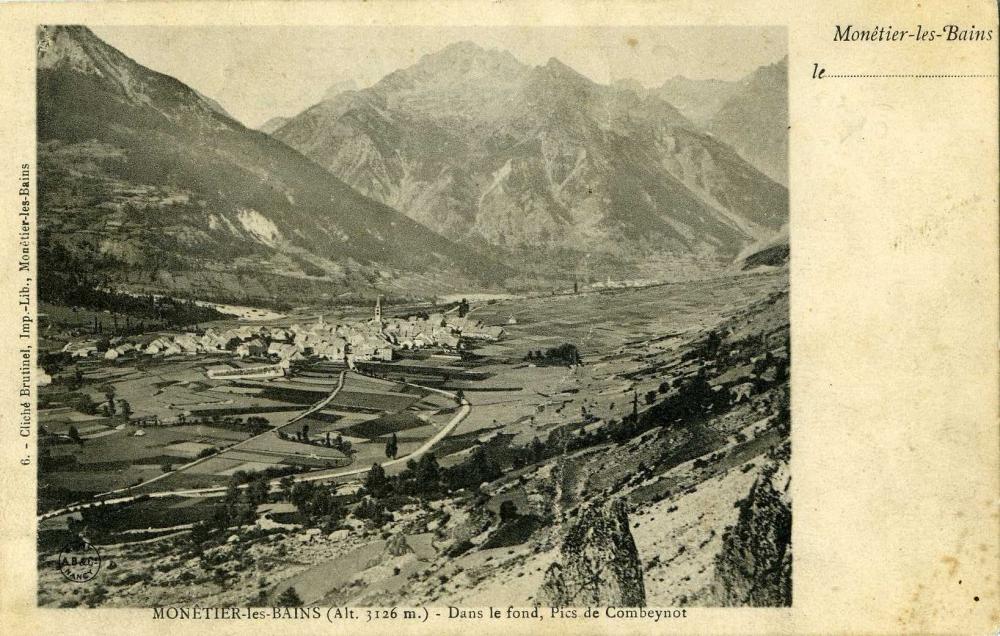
(917, 75)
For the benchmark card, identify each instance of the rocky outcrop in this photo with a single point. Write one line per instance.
(754, 566)
(397, 545)
(599, 564)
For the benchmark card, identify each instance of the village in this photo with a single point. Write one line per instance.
(347, 342)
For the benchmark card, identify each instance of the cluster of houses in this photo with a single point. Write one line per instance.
(374, 339)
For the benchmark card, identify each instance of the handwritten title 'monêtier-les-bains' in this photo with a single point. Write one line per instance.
(947, 33)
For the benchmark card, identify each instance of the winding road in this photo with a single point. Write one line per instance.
(317, 476)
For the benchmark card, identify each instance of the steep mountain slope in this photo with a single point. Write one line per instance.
(698, 100)
(339, 87)
(754, 121)
(272, 124)
(482, 148)
(146, 183)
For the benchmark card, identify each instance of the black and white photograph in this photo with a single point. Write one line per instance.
(413, 316)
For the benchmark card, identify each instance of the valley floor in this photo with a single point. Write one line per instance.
(679, 408)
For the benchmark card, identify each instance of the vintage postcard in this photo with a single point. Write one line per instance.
(553, 317)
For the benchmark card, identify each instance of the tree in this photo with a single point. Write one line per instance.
(289, 598)
(712, 343)
(537, 449)
(392, 447)
(300, 495)
(126, 409)
(322, 507)
(376, 480)
(74, 435)
(257, 492)
(372, 510)
(286, 483)
(305, 432)
(508, 511)
(427, 472)
(463, 308)
(109, 395)
(479, 468)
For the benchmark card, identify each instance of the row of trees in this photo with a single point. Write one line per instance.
(253, 424)
(302, 435)
(425, 478)
(565, 354)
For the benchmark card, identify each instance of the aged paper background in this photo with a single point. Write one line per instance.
(894, 284)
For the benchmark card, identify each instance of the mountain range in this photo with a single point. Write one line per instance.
(469, 169)
(147, 184)
(485, 149)
(754, 120)
(750, 114)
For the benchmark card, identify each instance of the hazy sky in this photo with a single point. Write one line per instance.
(259, 72)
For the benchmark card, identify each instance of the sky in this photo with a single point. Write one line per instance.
(256, 73)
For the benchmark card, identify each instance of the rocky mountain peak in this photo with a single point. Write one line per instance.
(77, 50)
(754, 120)
(480, 147)
(464, 59)
(556, 69)
(337, 88)
(629, 84)
(462, 48)
(65, 45)
(231, 186)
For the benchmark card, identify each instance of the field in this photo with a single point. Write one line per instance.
(207, 417)
(121, 458)
(627, 339)
(637, 347)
